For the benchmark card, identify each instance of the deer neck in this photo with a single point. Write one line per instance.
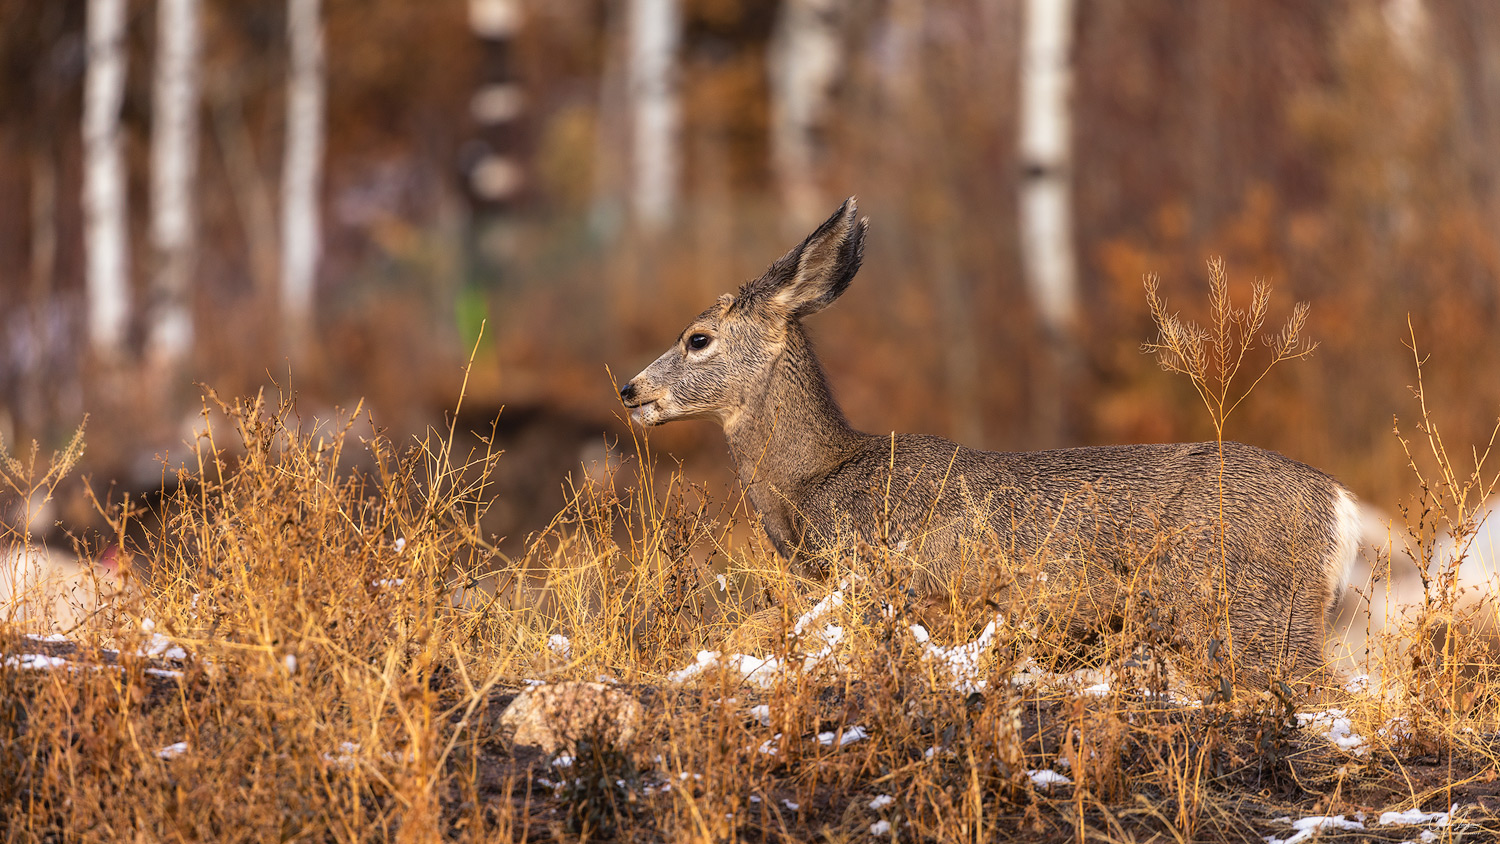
(789, 428)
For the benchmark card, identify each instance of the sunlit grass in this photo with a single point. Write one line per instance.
(351, 637)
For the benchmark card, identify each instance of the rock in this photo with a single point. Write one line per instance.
(556, 716)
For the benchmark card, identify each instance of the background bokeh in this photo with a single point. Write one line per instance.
(484, 169)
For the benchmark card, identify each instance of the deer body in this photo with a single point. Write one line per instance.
(1093, 524)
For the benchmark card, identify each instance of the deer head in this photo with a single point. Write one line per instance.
(723, 359)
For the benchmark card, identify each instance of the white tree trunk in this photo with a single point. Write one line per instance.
(495, 19)
(1408, 22)
(105, 233)
(301, 233)
(806, 60)
(174, 166)
(500, 101)
(1047, 255)
(653, 34)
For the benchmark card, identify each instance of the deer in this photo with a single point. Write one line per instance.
(1258, 540)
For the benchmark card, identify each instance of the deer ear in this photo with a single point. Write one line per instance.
(817, 271)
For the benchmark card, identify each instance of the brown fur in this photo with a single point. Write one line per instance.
(1091, 524)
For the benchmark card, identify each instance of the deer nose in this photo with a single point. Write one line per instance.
(627, 392)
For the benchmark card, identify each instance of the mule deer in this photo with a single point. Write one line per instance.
(1272, 554)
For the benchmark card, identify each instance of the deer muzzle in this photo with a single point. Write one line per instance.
(644, 411)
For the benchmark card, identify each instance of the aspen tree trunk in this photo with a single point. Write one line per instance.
(106, 235)
(1408, 23)
(1046, 204)
(174, 167)
(498, 104)
(653, 33)
(301, 174)
(484, 230)
(1046, 215)
(806, 60)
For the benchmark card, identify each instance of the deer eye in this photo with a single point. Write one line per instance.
(698, 342)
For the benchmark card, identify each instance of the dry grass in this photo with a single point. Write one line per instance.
(350, 637)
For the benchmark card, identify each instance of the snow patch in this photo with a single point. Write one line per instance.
(1306, 828)
(758, 670)
(845, 735)
(1046, 778)
(1335, 726)
(963, 663)
(50, 637)
(1310, 827)
(1412, 817)
(37, 661)
(158, 645)
(832, 600)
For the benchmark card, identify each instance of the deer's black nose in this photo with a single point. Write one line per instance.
(627, 392)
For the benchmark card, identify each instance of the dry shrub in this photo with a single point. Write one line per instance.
(351, 636)
(313, 602)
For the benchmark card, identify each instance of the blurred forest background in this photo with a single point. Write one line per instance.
(332, 196)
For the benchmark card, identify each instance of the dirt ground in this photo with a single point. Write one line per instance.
(1258, 775)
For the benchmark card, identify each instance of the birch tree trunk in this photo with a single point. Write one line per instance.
(806, 60)
(1046, 186)
(174, 167)
(105, 232)
(653, 34)
(301, 233)
(486, 236)
(1408, 22)
(1046, 215)
(498, 105)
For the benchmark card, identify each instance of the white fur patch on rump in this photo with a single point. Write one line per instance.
(1347, 535)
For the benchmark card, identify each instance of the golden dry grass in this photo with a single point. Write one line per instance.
(350, 638)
